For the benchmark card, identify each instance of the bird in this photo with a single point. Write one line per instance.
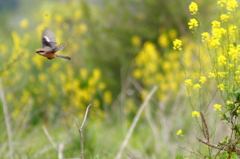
(50, 46)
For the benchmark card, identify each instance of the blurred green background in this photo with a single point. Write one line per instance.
(120, 50)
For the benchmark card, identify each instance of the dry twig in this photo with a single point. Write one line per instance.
(124, 144)
(7, 120)
(206, 132)
(80, 130)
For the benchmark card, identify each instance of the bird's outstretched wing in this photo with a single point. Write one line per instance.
(49, 39)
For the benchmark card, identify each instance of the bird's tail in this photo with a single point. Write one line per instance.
(64, 57)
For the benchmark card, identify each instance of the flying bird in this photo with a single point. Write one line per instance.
(50, 46)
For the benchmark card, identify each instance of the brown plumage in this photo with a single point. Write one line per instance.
(50, 46)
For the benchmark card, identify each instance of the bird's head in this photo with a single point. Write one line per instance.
(40, 51)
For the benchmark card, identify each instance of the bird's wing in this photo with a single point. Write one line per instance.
(49, 39)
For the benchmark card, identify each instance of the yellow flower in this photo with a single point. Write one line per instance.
(230, 65)
(224, 17)
(136, 41)
(58, 18)
(24, 23)
(205, 37)
(193, 23)
(177, 44)
(222, 2)
(107, 97)
(137, 73)
(83, 73)
(102, 85)
(233, 52)
(232, 29)
(42, 77)
(222, 74)
(188, 82)
(77, 14)
(229, 102)
(82, 28)
(231, 5)
(202, 79)
(172, 33)
(222, 60)
(196, 86)
(193, 8)
(211, 75)
(221, 87)
(217, 107)
(216, 24)
(163, 40)
(179, 132)
(218, 32)
(215, 43)
(195, 114)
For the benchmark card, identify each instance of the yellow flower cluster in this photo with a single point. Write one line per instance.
(179, 132)
(153, 69)
(202, 79)
(193, 8)
(193, 24)
(188, 82)
(222, 60)
(197, 86)
(177, 44)
(195, 114)
(217, 107)
(224, 17)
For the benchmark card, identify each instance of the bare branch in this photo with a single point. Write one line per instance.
(49, 137)
(124, 144)
(205, 127)
(7, 120)
(206, 143)
(80, 130)
(86, 113)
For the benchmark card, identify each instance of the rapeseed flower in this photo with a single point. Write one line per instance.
(193, 23)
(136, 41)
(193, 8)
(210, 75)
(58, 18)
(195, 114)
(215, 43)
(216, 24)
(224, 17)
(221, 87)
(188, 82)
(222, 74)
(177, 44)
(217, 107)
(231, 5)
(222, 2)
(202, 79)
(179, 132)
(222, 60)
(163, 40)
(107, 97)
(77, 15)
(196, 86)
(205, 37)
(24, 23)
